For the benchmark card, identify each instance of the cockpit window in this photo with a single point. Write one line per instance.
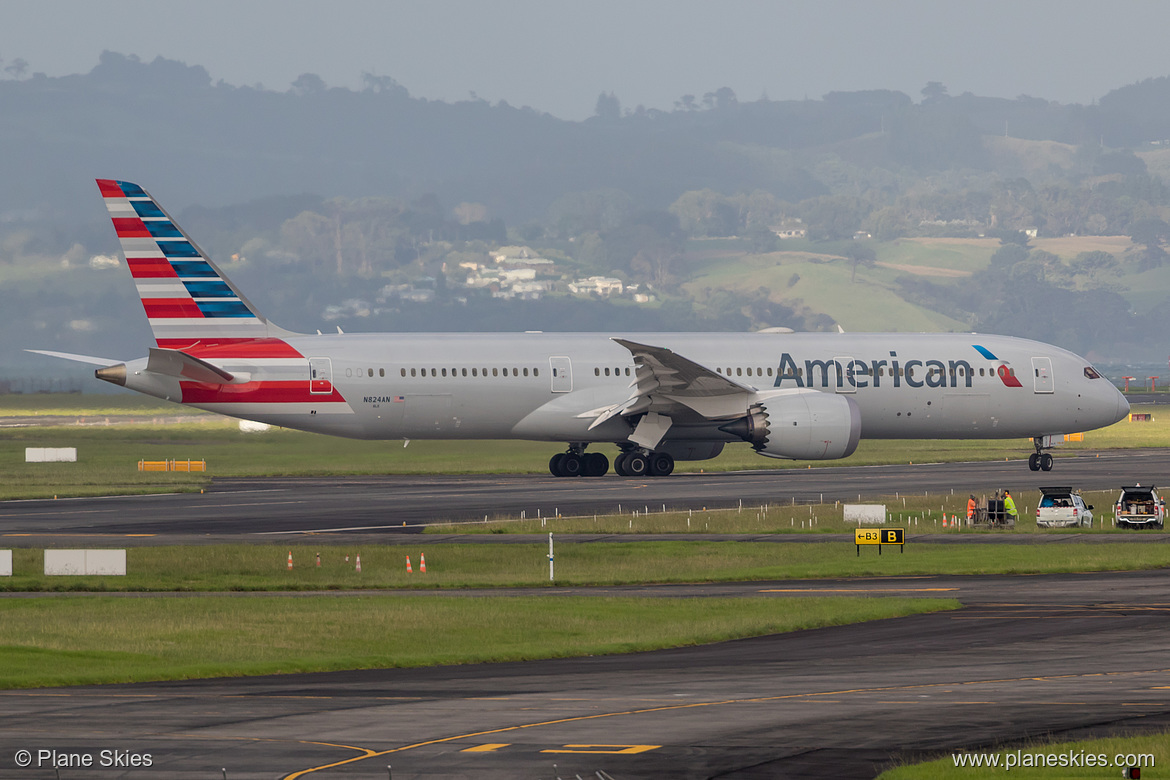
(1091, 373)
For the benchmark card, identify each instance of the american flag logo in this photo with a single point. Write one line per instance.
(399, 399)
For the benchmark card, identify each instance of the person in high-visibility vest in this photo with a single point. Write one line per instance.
(971, 509)
(1009, 506)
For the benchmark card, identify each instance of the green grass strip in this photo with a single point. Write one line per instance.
(1108, 757)
(258, 568)
(71, 641)
(108, 455)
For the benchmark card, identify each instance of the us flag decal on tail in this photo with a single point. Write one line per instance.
(186, 298)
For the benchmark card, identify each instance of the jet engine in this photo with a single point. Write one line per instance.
(800, 424)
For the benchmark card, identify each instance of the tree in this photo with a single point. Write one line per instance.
(722, 98)
(1009, 237)
(860, 254)
(608, 107)
(18, 67)
(1150, 232)
(933, 92)
(308, 84)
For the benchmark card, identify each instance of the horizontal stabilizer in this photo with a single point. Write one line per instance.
(93, 361)
(172, 362)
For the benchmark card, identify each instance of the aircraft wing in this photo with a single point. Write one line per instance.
(667, 385)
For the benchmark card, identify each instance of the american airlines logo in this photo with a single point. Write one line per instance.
(850, 372)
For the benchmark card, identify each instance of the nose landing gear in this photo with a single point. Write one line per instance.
(1039, 460)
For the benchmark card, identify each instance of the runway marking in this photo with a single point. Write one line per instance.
(857, 590)
(613, 750)
(697, 705)
(490, 747)
(110, 536)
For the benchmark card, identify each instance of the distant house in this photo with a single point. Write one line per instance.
(603, 286)
(790, 231)
(519, 256)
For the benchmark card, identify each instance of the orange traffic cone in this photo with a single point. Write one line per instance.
(290, 560)
(359, 563)
(408, 569)
(422, 563)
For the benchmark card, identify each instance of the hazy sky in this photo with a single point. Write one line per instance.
(558, 56)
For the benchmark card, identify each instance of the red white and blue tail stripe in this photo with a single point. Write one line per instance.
(187, 298)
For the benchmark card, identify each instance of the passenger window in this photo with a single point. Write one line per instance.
(526, 372)
(371, 372)
(349, 372)
(434, 372)
(769, 371)
(464, 371)
(607, 370)
(412, 372)
(627, 372)
(495, 372)
(474, 372)
(444, 372)
(403, 371)
(515, 372)
(536, 372)
(596, 372)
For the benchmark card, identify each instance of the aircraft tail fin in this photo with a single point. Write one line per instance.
(188, 300)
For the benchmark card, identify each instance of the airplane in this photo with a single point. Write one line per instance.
(660, 397)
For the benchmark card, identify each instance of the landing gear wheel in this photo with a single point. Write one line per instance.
(637, 464)
(619, 464)
(595, 465)
(661, 464)
(554, 464)
(1046, 462)
(571, 464)
(1034, 461)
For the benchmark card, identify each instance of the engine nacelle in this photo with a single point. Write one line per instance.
(800, 424)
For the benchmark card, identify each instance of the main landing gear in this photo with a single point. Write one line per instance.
(629, 463)
(1039, 460)
(639, 463)
(576, 463)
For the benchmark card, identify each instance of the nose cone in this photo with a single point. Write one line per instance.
(1122, 406)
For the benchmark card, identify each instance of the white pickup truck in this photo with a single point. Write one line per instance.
(1061, 507)
(1139, 507)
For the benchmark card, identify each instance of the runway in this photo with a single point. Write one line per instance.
(1054, 656)
(1062, 656)
(373, 508)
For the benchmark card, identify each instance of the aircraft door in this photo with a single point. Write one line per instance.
(320, 376)
(843, 376)
(1042, 373)
(562, 374)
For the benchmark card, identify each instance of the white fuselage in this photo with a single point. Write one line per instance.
(542, 386)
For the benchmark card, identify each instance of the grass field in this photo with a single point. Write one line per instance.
(917, 513)
(108, 454)
(103, 640)
(244, 567)
(1110, 756)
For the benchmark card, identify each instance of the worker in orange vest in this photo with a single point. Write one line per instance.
(971, 509)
